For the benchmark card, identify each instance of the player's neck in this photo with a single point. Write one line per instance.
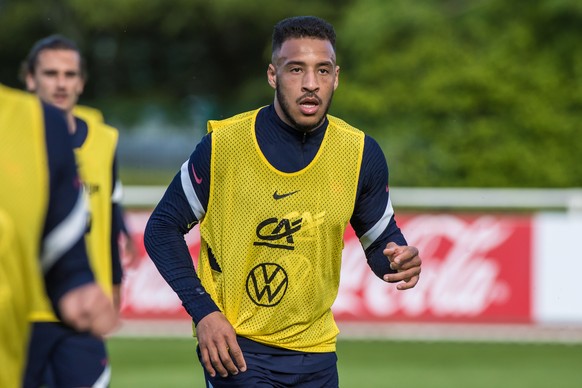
(71, 122)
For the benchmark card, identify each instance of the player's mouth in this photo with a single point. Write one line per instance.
(59, 98)
(309, 106)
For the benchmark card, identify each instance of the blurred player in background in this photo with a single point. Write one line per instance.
(273, 190)
(58, 356)
(42, 226)
(127, 244)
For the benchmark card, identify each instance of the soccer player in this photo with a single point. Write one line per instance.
(273, 190)
(42, 223)
(128, 245)
(59, 356)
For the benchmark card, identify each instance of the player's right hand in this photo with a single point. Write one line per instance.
(87, 308)
(218, 346)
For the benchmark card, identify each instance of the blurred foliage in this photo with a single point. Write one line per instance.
(483, 93)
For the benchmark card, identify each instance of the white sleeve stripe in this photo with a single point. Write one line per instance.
(193, 200)
(105, 379)
(375, 231)
(117, 195)
(64, 235)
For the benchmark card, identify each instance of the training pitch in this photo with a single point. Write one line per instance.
(171, 362)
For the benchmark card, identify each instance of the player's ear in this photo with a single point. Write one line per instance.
(80, 87)
(336, 83)
(272, 76)
(30, 83)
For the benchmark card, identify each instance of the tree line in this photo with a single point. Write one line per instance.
(475, 93)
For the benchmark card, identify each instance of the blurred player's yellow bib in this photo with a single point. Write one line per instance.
(272, 241)
(95, 162)
(23, 202)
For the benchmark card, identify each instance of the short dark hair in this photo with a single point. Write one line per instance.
(52, 42)
(302, 27)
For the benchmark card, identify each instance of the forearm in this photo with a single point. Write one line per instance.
(168, 250)
(373, 219)
(165, 244)
(70, 272)
(377, 261)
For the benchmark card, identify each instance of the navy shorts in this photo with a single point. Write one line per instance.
(59, 356)
(303, 370)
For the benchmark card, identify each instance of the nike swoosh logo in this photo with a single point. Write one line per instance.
(198, 180)
(191, 225)
(279, 196)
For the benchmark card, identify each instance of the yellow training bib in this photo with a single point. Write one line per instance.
(272, 241)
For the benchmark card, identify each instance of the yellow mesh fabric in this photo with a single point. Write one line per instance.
(88, 113)
(13, 325)
(276, 237)
(95, 161)
(23, 201)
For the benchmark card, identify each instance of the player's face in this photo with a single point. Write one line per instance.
(304, 75)
(57, 78)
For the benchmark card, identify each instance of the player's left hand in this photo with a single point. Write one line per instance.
(406, 261)
(88, 308)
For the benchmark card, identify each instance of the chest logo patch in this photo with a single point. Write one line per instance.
(282, 233)
(276, 195)
(267, 284)
(276, 233)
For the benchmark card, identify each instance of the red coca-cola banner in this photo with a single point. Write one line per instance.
(476, 268)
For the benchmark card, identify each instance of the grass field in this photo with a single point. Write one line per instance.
(172, 363)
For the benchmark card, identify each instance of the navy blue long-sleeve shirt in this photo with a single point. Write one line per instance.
(288, 150)
(71, 267)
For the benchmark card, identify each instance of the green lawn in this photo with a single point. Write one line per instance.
(173, 363)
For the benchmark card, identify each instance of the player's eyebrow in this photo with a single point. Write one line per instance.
(301, 63)
(53, 71)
